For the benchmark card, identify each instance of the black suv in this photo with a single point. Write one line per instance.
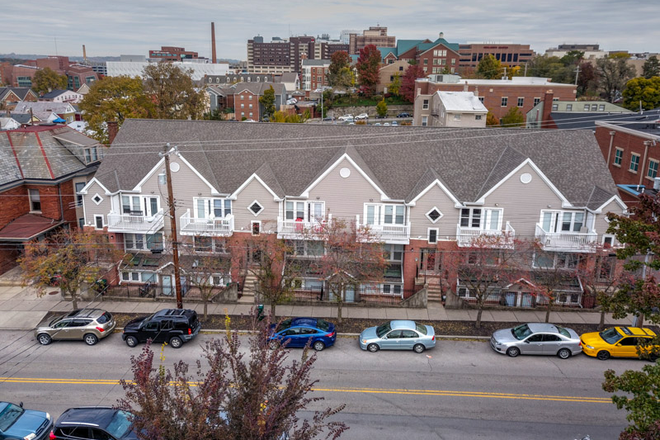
(174, 326)
(93, 423)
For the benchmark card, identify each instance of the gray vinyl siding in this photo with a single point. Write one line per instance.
(243, 217)
(345, 197)
(420, 223)
(600, 224)
(522, 203)
(92, 209)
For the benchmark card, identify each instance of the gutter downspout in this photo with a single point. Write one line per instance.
(609, 151)
(647, 144)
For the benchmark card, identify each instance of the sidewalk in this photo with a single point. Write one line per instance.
(22, 309)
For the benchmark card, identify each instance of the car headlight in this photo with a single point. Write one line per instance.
(30, 437)
(364, 341)
(589, 347)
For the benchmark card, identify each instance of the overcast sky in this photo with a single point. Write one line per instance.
(115, 27)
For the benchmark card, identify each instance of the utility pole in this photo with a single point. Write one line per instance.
(577, 74)
(175, 244)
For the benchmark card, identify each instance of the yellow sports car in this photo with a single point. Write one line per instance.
(617, 342)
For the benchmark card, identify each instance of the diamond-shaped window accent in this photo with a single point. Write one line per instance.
(434, 215)
(256, 208)
(97, 199)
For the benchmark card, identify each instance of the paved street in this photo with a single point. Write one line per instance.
(458, 390)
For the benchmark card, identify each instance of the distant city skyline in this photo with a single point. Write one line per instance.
(134, 27)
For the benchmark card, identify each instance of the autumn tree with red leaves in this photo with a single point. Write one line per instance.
(368, 65)
(407, 90)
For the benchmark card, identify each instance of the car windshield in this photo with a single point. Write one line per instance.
(119, 424)
(9, 415)
(421, 328)
(284, 324)
(611, 336)
(521, 332)
(323, 325)
(106, 317)
(562, 331)
(146, 320)
(56, 320)
(383, 329)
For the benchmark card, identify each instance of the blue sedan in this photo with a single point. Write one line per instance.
(298, 332)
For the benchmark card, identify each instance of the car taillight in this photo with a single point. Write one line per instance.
(100, 329)
(52, 436)
(189, 331)
(433, 338)
(580, 344)
(330, 335)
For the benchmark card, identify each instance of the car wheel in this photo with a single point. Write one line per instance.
(274, 344)
(44, 339)
(176, 342)
(603, 355)
(419, 348)
(318, 345)
(564, 353)
(373, 348)
(513, 351)
(131, 341)
(90, 339)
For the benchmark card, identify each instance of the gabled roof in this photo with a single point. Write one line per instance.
(22, 118)
(54, 94)
(43, 110)
(256, 88)
(396, 159)
(20, 92)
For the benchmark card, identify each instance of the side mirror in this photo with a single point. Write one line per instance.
(21, 404)
(526, 341)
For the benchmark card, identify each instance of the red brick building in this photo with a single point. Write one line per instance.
(43, 168)
(508, 54)
(171, 53)
(498, 95)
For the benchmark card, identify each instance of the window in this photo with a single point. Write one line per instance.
(634, 163)
(562, 221)
(601, 108)
(98, 221)
(434, 215)
(294, 211)
(586, 107)
(521, 102)
(212, 207)
(307, 248)
(480, 218)
(618, 157)
(35, 200)
(569, 107)
(594, 107)
(384, 214)
(457, 116)
(256, 228)
(505, 101)
(255, 208)
(653, 169)
(79, 197)
(536, 101)
(555, 107)
(432, 235)
(425, 104)
(425, 121)
(477, 117)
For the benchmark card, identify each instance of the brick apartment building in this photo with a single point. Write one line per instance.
(172, 53)
(279, 56)
(43, 169)
(376, 35)
(631, 146)
(497, 95)
(509, 54)
(314, 75)
(20, 75)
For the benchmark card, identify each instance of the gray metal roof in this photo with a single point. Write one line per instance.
(401, 160)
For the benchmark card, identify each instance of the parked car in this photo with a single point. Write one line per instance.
(298, 332)
(93, 423)
(618, 342)
(362, 116)
(381, 117)
(17, 422)
(395, 124)
(404, 115)
(346, 118)
(88, 325)
(174, 326)
(398, 335)
(386, 124)
(536, 338)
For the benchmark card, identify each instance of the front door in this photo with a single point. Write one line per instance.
(510, 298)
(167, 284)
(429, 263)
(350, 294)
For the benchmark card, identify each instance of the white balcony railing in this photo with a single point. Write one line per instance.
(298, 229)
(212, 227)
(135, 223)
(395, 234)
(496, 238)
(566, 241)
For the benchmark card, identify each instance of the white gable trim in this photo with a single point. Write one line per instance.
(90, 183)
(614, 198)
(254, 176)
(161, 164)
(444, 189)
(564, 201)
(383, 196)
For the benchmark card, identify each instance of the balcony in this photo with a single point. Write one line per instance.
(135, 222)
(209, 227)
(566, 241)
(393, 234)
(496, 238)
(298, 229)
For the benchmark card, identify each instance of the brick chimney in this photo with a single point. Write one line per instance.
(113, 129)
(547, 108)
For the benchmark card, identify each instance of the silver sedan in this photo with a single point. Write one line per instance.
(398, 335)
(537, 338)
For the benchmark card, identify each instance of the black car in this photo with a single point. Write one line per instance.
(96, 422)
(174, 326)
(17, 422)
(404, 115)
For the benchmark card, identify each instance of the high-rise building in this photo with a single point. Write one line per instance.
(376, 35)
(171, 53)
(282, 56)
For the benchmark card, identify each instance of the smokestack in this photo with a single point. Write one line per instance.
(213, 57)
(84, 54)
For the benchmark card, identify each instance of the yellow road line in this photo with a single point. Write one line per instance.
(401, 391)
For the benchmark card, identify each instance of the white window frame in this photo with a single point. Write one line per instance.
(249, 208)
(610, 237)
(521, 101)
(96, 223)
(209, 207)
(97, 196)
(557, 221)
(618, 157)
(425, 121)
(505, 101)
(428, 235)
(435, 208)
(425, 104)
(485, 218)
(252, 224)
(380, 210)
(649, 169)
(35, 197)
(634, 162)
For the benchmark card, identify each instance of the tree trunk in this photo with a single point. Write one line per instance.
(206, 303)
(601, 324)
(547, 312)
(272, 310)
(477, 324)
(74, 300)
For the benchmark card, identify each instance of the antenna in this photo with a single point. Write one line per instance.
(56, 54)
